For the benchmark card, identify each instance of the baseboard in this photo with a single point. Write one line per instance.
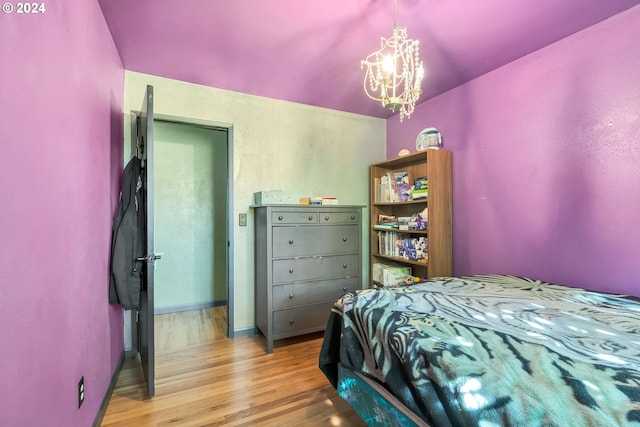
(188, 307)
(107, 396)
(247, 332)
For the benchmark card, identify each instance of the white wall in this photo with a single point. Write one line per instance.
(190, 180)
(277, 145)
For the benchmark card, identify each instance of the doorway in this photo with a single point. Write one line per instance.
(209, 186)
(191, 219)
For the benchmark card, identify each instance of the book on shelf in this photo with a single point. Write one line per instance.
(392, 187)
(420, 188)
(385, 227)
(419, 194)
(403, 222)
(421, 183)
(401, 187)
(387, 221)
(416, 221)
(382, 189)
(402, 245)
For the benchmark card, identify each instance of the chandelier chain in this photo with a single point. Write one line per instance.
(395, 13)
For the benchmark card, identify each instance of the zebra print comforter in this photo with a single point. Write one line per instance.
(494, 351)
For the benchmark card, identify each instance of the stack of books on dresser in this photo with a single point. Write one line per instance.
(319, 201)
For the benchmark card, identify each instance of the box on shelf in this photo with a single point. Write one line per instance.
(390, 274)
(274, 197)
(331, 201)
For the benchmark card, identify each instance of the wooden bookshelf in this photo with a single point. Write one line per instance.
(436, 166)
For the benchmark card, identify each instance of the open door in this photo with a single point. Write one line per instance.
(145, 317)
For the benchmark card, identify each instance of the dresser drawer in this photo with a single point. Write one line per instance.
(339, 217)
(295, 295)
(284, 217)
(308, 319)
(318, 267)
(315, 240)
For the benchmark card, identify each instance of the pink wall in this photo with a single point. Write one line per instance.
(61, 101)
(546, 159)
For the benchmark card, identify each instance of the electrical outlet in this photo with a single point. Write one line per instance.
(242, 220)
(80, 392)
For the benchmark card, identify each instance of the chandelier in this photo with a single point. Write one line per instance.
(394, 72)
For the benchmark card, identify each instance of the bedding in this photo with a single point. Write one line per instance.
(492, 351)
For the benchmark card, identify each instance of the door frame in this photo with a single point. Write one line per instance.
(228, 127)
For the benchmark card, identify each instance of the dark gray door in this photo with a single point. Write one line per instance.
(145, 319)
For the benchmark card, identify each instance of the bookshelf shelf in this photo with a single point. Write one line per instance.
(436, 166)
(423, 263)
(408, 202)
(422, 232)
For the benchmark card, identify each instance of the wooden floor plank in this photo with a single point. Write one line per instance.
(206, 379)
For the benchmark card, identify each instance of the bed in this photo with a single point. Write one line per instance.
(486, 351)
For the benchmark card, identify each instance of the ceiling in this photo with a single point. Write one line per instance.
(309, 51)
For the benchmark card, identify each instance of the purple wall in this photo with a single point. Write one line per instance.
(61, 133)
(547, 161)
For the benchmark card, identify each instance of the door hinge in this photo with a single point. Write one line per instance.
(139, 147)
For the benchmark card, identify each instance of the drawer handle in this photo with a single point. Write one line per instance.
(344, 289)
(280, 218)
(291, 270)
(344, 239)
(326, 218)
(344, 265)
(310, 218)
(291, 296)
(353, 217)
(291, 242)
(291, 321)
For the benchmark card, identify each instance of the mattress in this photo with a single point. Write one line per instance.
(493, 351)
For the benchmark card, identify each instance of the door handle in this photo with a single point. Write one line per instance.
(149, 258)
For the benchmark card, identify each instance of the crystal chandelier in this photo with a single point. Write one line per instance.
(394, 72)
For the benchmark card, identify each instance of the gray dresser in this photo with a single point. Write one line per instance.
(306, 257)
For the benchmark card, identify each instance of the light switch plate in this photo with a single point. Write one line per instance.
(242, 220)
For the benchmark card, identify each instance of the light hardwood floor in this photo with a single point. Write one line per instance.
(206, 379)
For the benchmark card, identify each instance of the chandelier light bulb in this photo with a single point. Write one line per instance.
(388, 66)
(419, 77)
